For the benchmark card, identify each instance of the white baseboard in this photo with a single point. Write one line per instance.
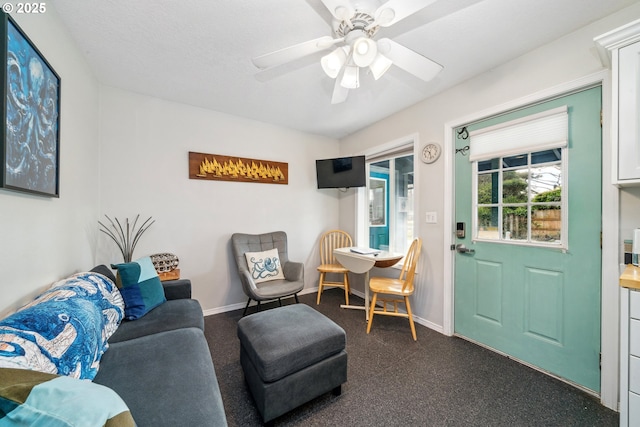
(428, 324)
(423, 322)
(241, 305)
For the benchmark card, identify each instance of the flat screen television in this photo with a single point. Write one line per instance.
(342, 172)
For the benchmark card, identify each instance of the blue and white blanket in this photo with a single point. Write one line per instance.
(64, 331)
(30, 398)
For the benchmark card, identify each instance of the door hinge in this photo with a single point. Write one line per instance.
(600, 117)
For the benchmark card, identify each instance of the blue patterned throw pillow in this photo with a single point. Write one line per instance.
(264, 266)
(140, 287)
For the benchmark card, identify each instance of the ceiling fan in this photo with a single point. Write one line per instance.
(355, 46)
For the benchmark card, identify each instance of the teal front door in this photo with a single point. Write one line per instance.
(517, 291)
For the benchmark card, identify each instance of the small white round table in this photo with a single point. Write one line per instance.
(354, 260)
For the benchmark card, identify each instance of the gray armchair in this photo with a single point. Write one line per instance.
(272, 289)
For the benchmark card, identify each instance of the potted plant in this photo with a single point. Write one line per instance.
(126, 237)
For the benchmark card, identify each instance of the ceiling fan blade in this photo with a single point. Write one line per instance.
(408, 60)
(272, 73)
(294, 52)
(394, 10)
(339, 93)
(339, 9)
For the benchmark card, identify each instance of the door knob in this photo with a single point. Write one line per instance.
(462, 249)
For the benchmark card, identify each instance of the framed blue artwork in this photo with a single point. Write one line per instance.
(30, 132)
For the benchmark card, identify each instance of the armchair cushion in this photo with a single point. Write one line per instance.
(293, 271)
(264, 266)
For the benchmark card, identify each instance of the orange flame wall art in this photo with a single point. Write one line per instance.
(216, 167)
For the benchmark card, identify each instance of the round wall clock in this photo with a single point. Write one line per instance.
(431, 152)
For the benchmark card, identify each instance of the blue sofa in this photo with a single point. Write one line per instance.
(68, 358)
(160, 364)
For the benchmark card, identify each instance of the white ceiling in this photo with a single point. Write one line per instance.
(199, 52)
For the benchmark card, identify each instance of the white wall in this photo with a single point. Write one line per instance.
(44, 239)
(629, 215)
(144, 156)
(564, 60)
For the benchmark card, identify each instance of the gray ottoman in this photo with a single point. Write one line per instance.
(290, 355)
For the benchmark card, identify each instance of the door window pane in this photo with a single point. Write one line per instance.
(519, 198)
(515, 186)
(546, 182)
(546, 224)
(488, 188)
(515, 222)
(519, 160)
(546, 156)
(488, 223)
(487, 165)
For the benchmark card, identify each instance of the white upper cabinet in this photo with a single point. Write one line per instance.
(628, 102)
(620, 50)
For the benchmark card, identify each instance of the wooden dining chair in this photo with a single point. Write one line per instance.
(400, 287)
(329, 241)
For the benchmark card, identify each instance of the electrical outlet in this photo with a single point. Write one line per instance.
(431, 218)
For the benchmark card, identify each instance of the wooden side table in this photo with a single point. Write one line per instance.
(170, 275)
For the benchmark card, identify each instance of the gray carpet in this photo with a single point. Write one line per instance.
(436, 381)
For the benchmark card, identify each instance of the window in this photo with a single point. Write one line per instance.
(390, 195)
(519, 198)
(519, 171)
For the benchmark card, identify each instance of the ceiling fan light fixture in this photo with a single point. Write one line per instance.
(362, 48)
(385, 16)
(333, 62)
(364, 51)
(350, 78)
(380, 65)
(341, 12)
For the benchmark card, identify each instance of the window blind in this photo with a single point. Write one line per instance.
(404, 149)
(542, 131)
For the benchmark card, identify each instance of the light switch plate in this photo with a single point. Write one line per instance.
(431, 218)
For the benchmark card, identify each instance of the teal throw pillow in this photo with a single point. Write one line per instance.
(140, 287)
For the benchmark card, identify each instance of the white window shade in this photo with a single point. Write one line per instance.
(395, 151)
(542, 131)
